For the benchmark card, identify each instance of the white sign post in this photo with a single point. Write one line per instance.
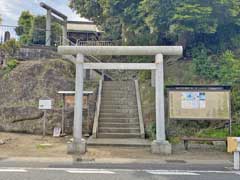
(45, 104)
(236, 155)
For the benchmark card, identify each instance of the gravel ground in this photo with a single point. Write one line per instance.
(22, 145)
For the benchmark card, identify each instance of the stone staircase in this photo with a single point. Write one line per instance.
(118, 116)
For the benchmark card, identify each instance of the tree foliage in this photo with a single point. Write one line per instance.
(209, 31)
(230, 68)
(10, 47)
(24, 27)
(160, 21)
(203, 63)
(229, 74)
(37, 33)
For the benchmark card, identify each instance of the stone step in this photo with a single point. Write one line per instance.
(116, 95)
(118, 83)
(110, 102)
(118, 135)
(119, 98)
(118, 115)
(116, 99)
(133, 142)
(118, 130)
(120, 110)
(118, 120)
(105, 106)
(85, 122)
(120, 88)
(120, 125)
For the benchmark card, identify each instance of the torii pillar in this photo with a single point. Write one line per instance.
(48, 27)
(160, 145)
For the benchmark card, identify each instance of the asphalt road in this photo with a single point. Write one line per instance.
(133, 171)
(118, 174)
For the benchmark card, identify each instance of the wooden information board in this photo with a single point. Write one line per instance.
(200, 103)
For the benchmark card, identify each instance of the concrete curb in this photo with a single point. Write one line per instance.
(70, 160)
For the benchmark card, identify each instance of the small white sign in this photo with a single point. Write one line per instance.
(56, 132)
(45, 104)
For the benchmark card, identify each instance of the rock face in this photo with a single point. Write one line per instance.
(21, 89)
(2, 58)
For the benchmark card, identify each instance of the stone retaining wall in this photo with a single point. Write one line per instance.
(36, 53)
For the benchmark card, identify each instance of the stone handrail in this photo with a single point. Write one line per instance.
(139, 106)
(97, 111)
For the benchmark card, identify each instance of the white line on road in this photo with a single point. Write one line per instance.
(13, 170)
(238, 173)
(173, 173)
(90, 172)
(109, 170)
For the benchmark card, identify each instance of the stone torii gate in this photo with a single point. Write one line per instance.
(49, 18)
(160, 145)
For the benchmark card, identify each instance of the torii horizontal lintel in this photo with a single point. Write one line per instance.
(121, 50)
(122, 66)
(54, 11)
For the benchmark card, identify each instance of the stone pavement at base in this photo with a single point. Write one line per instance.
(119, 142)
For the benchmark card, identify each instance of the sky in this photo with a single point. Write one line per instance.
(10, 10)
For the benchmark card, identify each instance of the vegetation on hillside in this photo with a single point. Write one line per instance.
(208, 31)
(9, 48)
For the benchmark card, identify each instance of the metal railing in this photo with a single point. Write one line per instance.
(38, 38)
(94, 43)
(7, 29)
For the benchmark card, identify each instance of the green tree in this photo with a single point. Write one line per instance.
(204, 65)
(230, 68)
(24, 26)
(163, 21)
(229, 74)
(56, 34)
(37, 31)
(194, 16)
(10, 47)
(120, 19)
(205, 19)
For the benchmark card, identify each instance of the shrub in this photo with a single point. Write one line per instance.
(12, 63)
(10, 47)
(204, 64)
(151, 131)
